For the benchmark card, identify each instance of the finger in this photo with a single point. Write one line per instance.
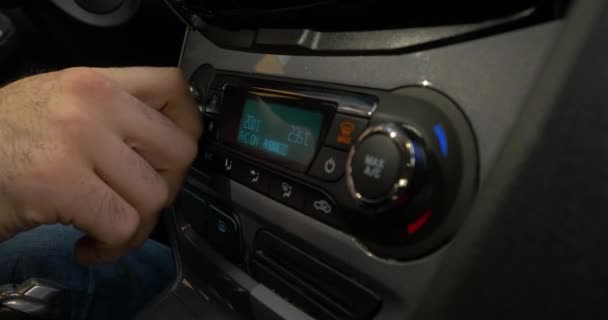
(164, 89)
(175, 180)
(135, 180)
(90, 251)
(129, 174)
(167, 148)
(96, 209)
(154, 136)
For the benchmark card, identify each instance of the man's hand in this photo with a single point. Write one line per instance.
(101, 149)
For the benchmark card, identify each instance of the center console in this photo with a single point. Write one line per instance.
(390, 171)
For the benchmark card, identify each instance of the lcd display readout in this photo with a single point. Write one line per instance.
(280, 130)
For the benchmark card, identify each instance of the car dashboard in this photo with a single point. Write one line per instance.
(335, 171)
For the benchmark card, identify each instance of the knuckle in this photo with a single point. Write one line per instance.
(198, 127)
(74, 126)
(157, 192)
(125, 230)
(74, 121)
(154, 201)
(190, 150)
(177, 77)
(185, 151)
(159, 196)
(72, 118)
(81, 81)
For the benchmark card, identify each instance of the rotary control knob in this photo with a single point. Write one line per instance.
(385, 165)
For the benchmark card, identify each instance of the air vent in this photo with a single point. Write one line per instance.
(314, 287)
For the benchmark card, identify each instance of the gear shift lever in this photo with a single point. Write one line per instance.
(34, 299)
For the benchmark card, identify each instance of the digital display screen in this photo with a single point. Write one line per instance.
(280, 130)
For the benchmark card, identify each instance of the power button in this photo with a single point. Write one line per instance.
(329, 164)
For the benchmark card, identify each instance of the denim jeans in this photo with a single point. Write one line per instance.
(113, 291)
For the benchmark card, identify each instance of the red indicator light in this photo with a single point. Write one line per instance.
(416, 225)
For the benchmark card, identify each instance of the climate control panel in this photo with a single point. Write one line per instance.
(396, 170)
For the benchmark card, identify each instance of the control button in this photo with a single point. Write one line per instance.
(375, 166)
(219, 82)
(205, 160)
(318, 205)
(223, 232)
(194, 92)
(213, 102)
(329, 164)
(344, 131)
(252, 177)
(321, 208)
(211, 127)
(287, 192)
(226, 164)
(194, 210)
(385, 164)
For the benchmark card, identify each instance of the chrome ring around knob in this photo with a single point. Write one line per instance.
(407, 151)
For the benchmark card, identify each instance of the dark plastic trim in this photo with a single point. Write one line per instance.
(112, 18)
(390, 41)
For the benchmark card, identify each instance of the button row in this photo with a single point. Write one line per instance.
(284, 190)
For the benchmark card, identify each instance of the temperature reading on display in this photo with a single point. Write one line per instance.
(279, 130)
(299, 135)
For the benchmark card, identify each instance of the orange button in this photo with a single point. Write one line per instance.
(345, 130)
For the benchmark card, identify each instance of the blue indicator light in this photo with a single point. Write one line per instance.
(442, 138)
(221, 226)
